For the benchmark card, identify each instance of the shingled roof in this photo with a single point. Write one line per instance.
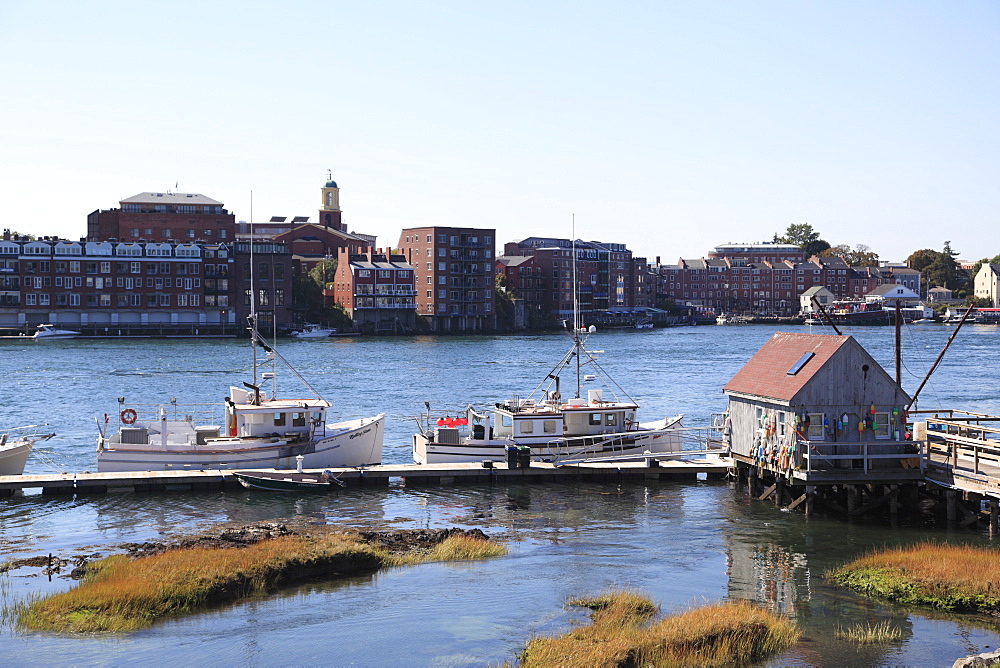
(766, 373)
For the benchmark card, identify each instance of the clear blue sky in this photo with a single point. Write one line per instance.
(668, 126)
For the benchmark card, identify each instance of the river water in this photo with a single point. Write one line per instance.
(682, 543)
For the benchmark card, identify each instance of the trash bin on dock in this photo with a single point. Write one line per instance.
(511, 456)
(524, 456)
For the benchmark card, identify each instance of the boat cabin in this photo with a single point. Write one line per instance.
(248, 417)
(526, 419)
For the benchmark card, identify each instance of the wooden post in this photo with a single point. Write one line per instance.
(779, 491)
(951, 505)
(810, 499)
(852, 499)
(752, 489)
(994, 516)
(894, 503)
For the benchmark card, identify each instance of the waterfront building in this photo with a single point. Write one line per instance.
(987, 283)
(819, 388)
(768, 279)
(112, 287)
(455, 276)
(270, 265)
(608, 279)
(820, 294)
(163, 217)
(376, 288)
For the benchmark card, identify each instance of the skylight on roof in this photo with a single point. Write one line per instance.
(801, 363)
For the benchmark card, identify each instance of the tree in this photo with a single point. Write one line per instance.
(860, 256)
(805, 237)
(939, 268)
(308, 295)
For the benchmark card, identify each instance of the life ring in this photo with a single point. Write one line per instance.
(129, 416)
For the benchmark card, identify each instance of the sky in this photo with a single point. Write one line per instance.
(671, 127)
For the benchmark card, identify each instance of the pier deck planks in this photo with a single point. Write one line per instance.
(410, 474)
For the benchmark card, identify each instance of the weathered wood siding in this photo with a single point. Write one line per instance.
(842, 386)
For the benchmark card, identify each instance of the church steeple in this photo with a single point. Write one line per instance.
(329, 213)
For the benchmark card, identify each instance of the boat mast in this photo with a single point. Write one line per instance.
(253, 298)
(576, 313)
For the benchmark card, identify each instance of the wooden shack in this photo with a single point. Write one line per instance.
(809, 405)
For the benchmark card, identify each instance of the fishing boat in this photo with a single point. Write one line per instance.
(252, 428)
(52, 333)
(587, 426)
(16, 445)
(285, 481)
(312, 331)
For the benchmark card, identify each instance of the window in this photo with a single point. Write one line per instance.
(549, 426)
(595, 419)
(882, 425)
(816, 430)
(611, 419)
(526, 426)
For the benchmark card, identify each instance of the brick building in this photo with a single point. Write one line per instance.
(312, 242)
(377, 289)
(455, 274)
(608, 278)
(271, 264)
(739, 285)
(104, 287)
(154, 216)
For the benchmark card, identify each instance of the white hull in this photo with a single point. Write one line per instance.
(653, 440)
(346, 444)
(13, 457)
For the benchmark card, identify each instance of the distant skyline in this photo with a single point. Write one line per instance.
(671, 127)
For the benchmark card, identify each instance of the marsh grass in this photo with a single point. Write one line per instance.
(958, 578)
(868, 634)
(121, 594)
(623, 632)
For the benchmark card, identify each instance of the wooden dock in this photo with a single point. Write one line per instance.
(711, 468)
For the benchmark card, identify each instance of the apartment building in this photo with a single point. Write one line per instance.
(455, 275)
(376, 287)
(112, 287)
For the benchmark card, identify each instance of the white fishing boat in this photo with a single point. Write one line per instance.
(16, 445)
(251, 429)
(52, 333)
(551, 427)
(312, 331)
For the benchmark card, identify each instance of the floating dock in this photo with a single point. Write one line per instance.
(711, 468)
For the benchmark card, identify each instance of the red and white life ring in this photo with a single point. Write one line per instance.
(129, 416)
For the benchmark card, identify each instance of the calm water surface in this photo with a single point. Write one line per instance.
(682, 543)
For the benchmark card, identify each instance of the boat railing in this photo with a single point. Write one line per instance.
(173, 412)
(682, 441)
(28, 432)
